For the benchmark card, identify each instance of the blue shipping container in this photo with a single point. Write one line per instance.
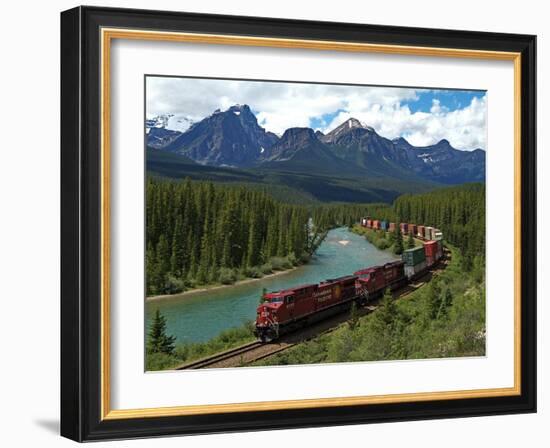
(384, 225)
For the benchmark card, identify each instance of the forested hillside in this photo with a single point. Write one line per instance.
(200, 233)
(458, 211)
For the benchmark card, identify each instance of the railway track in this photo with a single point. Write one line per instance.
(254, 351)
(221, 357)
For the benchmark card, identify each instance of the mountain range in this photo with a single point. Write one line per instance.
(233, 139)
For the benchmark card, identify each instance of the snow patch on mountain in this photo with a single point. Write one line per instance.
(170, 122)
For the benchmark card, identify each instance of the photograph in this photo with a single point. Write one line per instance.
(291, 223)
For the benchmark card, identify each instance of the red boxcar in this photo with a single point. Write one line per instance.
(430, 248)
(431, 251)
(376, 224)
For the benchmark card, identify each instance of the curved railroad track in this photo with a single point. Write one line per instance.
(254, 351)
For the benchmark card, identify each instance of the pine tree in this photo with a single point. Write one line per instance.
(163, 260)
(388, 311)
(254, 242)
(434, 299)
(410, 241)
(446, 302)
(398, 247)
(177, 260)
(158, 341)
(353, 321)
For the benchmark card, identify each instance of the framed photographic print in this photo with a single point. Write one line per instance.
(275, 224)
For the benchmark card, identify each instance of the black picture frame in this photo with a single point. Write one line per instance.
(81, 224)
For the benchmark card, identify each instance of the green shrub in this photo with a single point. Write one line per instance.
(266, 268)
(173, 285)
(280, 263)
(292, 259)
(160, 361)
(253, 272)
(227, 276)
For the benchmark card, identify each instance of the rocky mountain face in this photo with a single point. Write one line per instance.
(443, 163)
(229, 138)
(234, 138)
(158, 138)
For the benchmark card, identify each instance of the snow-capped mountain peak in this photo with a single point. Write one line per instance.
(170, 122)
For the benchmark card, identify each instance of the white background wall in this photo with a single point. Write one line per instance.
(29, 224)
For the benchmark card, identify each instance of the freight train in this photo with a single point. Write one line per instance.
(287, 310)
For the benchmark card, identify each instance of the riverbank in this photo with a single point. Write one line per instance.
(217, 287)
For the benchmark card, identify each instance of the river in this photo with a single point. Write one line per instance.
(202, 316)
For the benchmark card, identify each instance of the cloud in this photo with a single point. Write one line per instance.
(279, 106)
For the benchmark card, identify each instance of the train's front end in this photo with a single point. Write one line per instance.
(364, 284)
(268, 316)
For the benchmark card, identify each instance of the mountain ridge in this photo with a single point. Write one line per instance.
(233, 138)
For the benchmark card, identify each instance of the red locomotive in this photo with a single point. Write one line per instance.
(284, 311)
(371, 282)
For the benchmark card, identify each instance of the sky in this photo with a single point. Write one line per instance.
(422, 116)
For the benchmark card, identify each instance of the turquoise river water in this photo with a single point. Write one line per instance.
(203, 315)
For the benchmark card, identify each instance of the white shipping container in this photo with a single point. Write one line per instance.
(413, 270)
(428, 233)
